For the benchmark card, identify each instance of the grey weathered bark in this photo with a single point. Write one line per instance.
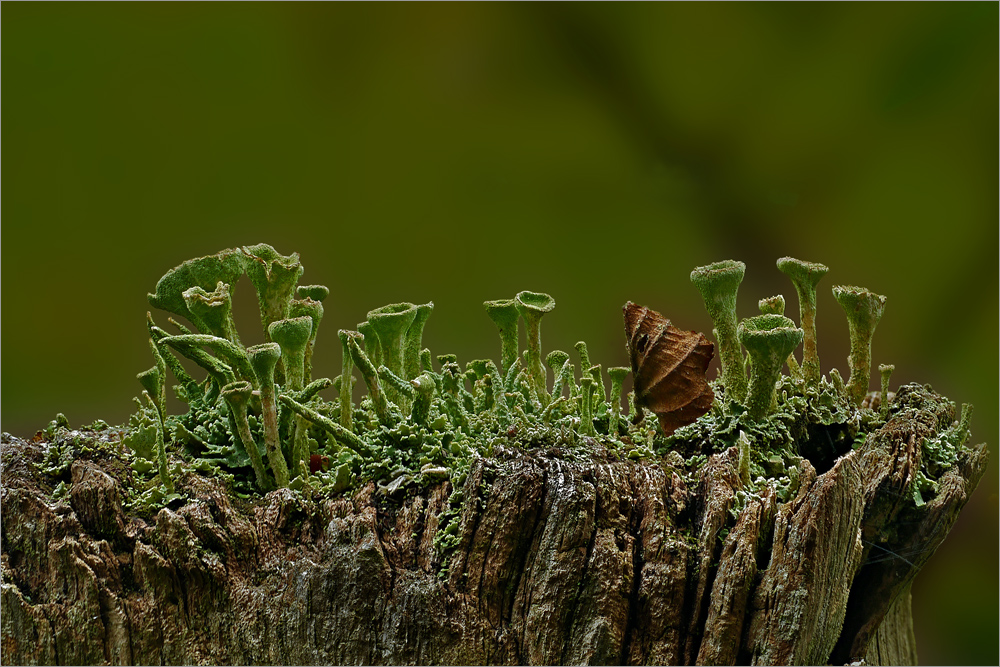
(558, 562)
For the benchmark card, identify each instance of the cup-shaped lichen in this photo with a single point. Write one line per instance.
(863, 310)
(370, 375)
(805, 276)
(769, 339)
(533, 306)
(719, 284)
(274, 277)
(772, 305)
(206, 273)
(390, 324)
(504, 315)
(264, 358)
(413, 341)
(313, 309)
(212, 312)
(237, 397)
(373, 349)
(293, 337)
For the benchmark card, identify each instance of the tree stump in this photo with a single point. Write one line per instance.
(558, 561)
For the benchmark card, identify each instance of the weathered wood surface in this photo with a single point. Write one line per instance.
(558, 563)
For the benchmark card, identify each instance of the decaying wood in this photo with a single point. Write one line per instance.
(558, 562)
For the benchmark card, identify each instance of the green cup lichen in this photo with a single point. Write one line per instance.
(212, 312)
(264, 358)
(772, 305)
(863, 310)
(274, 277)
(206, 273)
(390, 324)
(293, 336)
(532, 306)
(769, 339)
(805, 276)
(413, 341)
(237, 397)
(312, 309)
(504, 314)
(719, 284)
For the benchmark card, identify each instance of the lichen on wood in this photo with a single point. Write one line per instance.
(477, 515)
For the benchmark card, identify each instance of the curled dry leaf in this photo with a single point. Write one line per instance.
(668, 367)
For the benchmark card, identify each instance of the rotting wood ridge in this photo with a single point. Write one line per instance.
(557, 562)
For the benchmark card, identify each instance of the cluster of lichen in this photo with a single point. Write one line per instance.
(259, 416)
(776, 419)
(259, 420)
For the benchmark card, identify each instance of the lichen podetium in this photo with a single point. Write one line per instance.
(259, 417)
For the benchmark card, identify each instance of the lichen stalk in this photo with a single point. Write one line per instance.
(504, 315)
(555, 360)
(293, 336)
(617, 375)
(264, 358)
(413, 341)
(719, 284)
(274, 277)
(586, 405)
(368, 372)
(390, 323)
(161, 447)
(885, 371)
(373, 348)
(237, 396)
(314, 310)
(533, 306)
(342, 435)
(346, 375)
(423, 388)
(769, 339)
(805, 276)
(863, 310)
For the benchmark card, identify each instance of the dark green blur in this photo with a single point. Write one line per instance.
(465, 152)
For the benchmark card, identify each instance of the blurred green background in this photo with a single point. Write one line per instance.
(464, 152)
